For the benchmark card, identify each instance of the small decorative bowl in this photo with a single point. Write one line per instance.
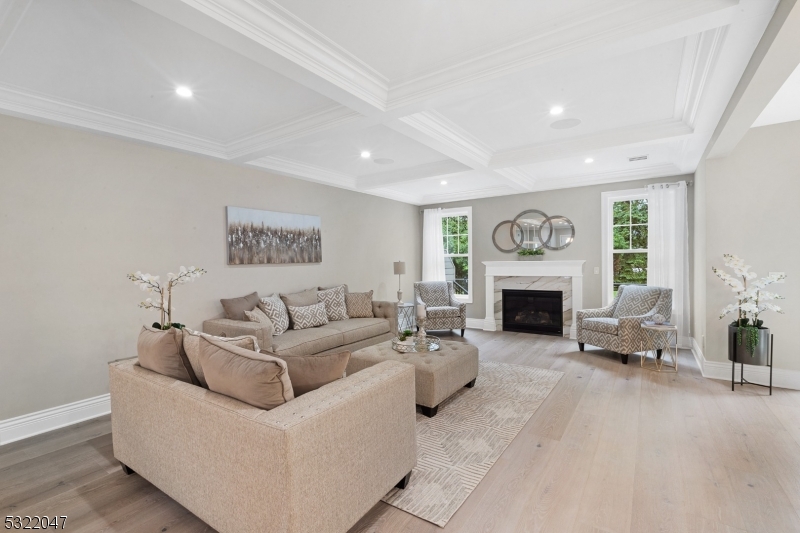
(659, 319)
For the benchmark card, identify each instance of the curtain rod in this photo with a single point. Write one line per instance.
(688, 184)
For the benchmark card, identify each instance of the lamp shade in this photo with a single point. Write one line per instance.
(399, 267)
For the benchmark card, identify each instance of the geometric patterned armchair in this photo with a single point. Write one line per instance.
(442, 309)
(618, 326)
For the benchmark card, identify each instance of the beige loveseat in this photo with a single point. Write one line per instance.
(315, 464)
(351, 334)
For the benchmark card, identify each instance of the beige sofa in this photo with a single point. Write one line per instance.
(313, 465)
(351, 334)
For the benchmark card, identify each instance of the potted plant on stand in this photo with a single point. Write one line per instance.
(531, 254)
(748, 339)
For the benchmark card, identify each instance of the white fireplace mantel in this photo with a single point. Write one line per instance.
(571, 269)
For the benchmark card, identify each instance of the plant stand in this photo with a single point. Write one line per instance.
(742, 381)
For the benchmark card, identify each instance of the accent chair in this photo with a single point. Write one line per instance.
(618, 326)
(442, 309)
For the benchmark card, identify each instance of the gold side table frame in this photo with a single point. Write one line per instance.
(660, 335)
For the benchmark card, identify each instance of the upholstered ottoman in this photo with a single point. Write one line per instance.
(437, 374)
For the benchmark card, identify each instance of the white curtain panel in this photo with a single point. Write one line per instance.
(432, 246)
(668, 249)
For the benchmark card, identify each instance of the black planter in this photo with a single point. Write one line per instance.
(739, 353)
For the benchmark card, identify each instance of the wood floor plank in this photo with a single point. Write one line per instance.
(614, 448)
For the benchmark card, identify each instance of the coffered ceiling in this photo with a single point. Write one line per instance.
(451, 100)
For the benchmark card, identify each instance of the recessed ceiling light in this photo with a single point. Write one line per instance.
(588, 160)
(444, 182)
(184, 91)
(365, 155)
(556, 110)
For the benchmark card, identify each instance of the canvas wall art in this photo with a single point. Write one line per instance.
(257, 237)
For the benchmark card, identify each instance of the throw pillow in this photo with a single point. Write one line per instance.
(333, 287)
(257, 315)
(334, 303)
(359, 304)
(308, 316)
(162, 351)
(235, 307)
(275, 309)
(310, 372)
(191, 346)
(249, 376)
(300, 299)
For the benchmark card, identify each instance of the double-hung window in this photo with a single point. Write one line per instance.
(624, 240)
(457, 242)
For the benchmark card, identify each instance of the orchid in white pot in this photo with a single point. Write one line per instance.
(751, 301)
(163, 301)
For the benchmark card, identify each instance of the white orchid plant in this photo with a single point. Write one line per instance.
(751, 299)
(163, 301)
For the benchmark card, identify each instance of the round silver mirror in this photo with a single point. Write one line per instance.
(557, 233)
(529, 227)
(503, 237)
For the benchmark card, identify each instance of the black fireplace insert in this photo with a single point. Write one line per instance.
(533, 311)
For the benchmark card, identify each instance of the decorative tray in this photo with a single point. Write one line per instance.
(428, 343)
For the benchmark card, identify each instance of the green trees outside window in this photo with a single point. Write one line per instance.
(630, 243)
(455, 235)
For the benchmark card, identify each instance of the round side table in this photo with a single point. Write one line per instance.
(405, 316)
(657, 335)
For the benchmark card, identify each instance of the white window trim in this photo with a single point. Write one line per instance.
(456, 211)
(607, 200)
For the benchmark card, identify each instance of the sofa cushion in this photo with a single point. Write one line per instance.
(636, 300)
(442, 312)
(191, 346)
(306, 341)
(309, 316)
(252, 377)
(310, 372)
(235, 307)
(162, 351)
(275, 309)
(334, 302)
(359, 304)
(359, 329)
(601, 325)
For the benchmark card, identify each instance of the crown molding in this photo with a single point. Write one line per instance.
(272, 26)
(487, 192)
(700, 54)
(428, 170)
(591, 29)
(466, 147)
(519, 180)
(26, 104)
(248, 147)
(655, 171)
(296, 169)
(398, 196)
(630, 135)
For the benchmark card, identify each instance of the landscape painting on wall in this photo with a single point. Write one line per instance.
(258, 237)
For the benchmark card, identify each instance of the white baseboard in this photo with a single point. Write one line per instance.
(784, 379)
(25, 426)
(475, 323)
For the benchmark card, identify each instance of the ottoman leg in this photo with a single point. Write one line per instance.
(127, 470)
(470, 384)
(430, 412)
(403, 483)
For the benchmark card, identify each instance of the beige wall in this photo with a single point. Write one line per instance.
(79, 211)
(580, 204)
(751, 200)
(698, 264)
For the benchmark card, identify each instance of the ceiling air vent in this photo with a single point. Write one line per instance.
(637, 158)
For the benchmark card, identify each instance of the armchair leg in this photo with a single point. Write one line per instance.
(624, 358)
(580, 346)
(658, 354)
(403, 483)
(462, 332)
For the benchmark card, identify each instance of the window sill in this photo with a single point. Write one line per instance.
(465, 300)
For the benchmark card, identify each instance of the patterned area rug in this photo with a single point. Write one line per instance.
(458, 446)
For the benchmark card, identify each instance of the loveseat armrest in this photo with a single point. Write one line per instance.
(225, 327)
(387, 310)
(348, 443)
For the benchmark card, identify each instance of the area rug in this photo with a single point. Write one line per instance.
(457, 447)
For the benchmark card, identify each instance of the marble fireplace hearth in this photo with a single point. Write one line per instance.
(564, 276)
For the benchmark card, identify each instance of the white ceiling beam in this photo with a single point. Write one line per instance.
(296, 169)
(775, 58)
(579, 146)
(392, 177)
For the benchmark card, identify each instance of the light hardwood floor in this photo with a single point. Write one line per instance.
(614, 448)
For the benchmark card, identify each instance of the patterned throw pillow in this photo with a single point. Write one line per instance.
(309, 316)
(335, 306)
(275, 309)
(359, 304)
